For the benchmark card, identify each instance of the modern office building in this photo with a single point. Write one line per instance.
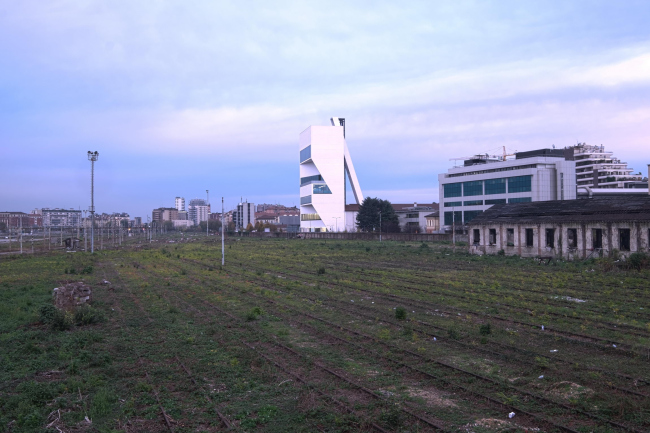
(483, 181)
(137, 221)
(597, 168)
(244, 215)
(325, 164)
(198, 210)
(179, 204)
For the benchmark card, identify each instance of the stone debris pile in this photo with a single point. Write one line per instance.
(72, 295)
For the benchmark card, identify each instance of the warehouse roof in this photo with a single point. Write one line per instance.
(563, 211)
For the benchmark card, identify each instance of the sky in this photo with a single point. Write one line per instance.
(180, 97)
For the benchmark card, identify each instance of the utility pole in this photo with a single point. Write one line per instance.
(21, 235)
(453, 226)
(85, 233)
(223, 235)
(337, 223)
(207, 222)
(379, 226)
(92, 157)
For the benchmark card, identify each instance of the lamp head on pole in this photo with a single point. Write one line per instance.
(93, 156)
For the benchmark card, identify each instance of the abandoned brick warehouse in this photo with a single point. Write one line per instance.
(570, 229)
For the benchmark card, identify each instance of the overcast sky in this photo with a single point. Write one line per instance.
(183, 96)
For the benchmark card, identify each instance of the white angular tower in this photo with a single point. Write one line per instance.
(324, 163)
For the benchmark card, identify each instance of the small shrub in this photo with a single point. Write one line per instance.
(254, 314)
(86, 315)
(638, 261)
(321, 271)
(400, 313)
(87, 270)
(183, 272)
(58, 320)
(501, 253)
(453, 333)
(485, 329)
(367, 249)
(424, 246)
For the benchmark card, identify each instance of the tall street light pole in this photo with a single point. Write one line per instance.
(92, 157)
(223, 235)
(207, 222)
(337, 223)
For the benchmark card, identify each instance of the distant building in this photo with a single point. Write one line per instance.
(182, 223)
(597, 168)
(410, 215)
(433, 222)
(484, 181)
(164, 214)
(412, 218)
(244, 215)
(575, 229)
(61, 217)
(137, 221)
(21, 219)
(198, 210)
(179, 204)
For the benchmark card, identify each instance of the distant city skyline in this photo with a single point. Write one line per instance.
(178, 99)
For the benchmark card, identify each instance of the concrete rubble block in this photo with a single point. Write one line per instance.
(72, 295)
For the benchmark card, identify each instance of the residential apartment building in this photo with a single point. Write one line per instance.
(198, 210)
(412, 217)
(137, 221)
(164, 214)
(61, 217)
(179, 204)
(244, 215)
(483, 181)
(598, 168)
(20, 219)
(325, 165)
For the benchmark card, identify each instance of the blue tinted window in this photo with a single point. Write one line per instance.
(305, 154)
(495, 186)
(322, 189)
(450, 216)
(305, 200)
(520, 200)
(519, 184)
(306, 180)
(453, 189)
(473, 203)
(496, 201)
(473, 188)
(453, 203)
(470, 214)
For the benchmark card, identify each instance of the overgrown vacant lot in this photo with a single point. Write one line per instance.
(296, 335)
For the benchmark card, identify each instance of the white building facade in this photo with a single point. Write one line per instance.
(467, 191)
(179, 204)
(244, 215)
(198, 210)
(324, 164)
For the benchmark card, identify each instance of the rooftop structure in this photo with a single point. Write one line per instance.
(325, 164)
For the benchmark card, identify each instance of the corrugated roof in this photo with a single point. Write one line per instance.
(560, 211)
